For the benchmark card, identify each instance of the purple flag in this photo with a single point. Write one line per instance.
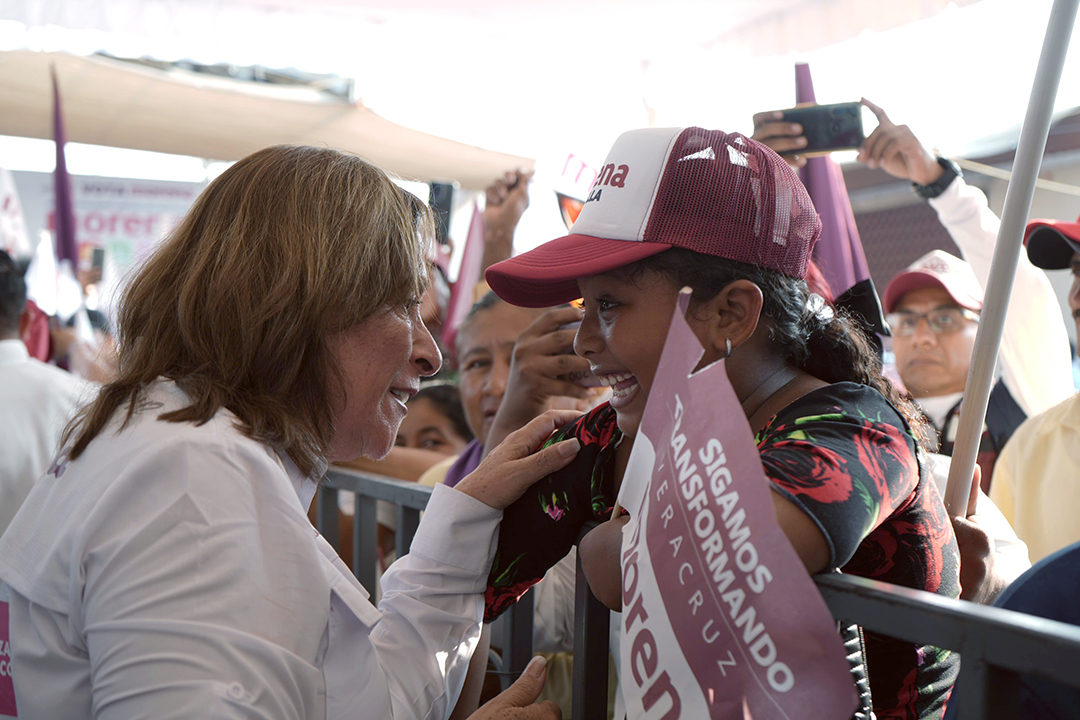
(66, 247)
(461, 294)
(839, 252)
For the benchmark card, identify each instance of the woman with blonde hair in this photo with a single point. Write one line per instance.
(164, 565)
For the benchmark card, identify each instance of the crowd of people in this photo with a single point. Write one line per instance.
(156, 551)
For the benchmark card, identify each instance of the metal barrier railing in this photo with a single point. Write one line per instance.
(996, 645)
(410, 498)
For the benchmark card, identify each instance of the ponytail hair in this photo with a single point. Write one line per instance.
(826, 342)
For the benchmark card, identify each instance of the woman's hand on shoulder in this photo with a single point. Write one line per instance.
(512, 467)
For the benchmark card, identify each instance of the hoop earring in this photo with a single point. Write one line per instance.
(728, 341)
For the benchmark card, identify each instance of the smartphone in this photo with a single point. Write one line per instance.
(827, 128)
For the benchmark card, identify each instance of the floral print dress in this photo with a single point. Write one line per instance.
(846, 457)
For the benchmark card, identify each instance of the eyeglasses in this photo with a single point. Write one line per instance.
(941, 322)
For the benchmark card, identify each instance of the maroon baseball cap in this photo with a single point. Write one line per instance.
(1051, 243)
(712, 192)
(937, 268)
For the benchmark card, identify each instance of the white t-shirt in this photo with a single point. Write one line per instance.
(36, 401)
(170, 572)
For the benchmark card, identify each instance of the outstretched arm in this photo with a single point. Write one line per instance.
(1035, 346)
(506, 200)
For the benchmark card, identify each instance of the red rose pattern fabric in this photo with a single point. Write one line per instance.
(540, 528)
(846, 456)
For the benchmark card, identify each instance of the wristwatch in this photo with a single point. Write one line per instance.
(931, 191)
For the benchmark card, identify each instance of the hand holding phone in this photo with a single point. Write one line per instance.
(810, 130)
(828, 128)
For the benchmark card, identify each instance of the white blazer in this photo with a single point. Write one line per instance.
(171, 572)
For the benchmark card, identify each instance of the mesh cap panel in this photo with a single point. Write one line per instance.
(724, 194)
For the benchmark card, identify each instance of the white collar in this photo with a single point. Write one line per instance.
(304, 485)
(937, 408)
(13, 351)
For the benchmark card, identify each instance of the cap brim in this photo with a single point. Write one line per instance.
(548, 275)
(911, 280)
(1051, 243)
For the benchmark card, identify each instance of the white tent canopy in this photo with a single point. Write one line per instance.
(108, 102)
(542, 79)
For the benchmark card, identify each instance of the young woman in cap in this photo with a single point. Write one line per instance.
(727, 217)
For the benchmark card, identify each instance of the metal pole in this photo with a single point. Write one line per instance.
(590, 676)
(1021, 188)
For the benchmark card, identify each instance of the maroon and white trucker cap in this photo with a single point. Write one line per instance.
(1051, 243)
(712, 192)
(937, 268)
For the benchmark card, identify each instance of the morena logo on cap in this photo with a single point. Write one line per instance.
(706, 191)
(609, 176)
(941, 265)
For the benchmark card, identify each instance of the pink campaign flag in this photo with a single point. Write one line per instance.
(461, 295)
(720, 618)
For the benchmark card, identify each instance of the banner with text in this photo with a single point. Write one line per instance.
(720, 618)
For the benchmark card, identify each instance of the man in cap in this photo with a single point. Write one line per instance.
(1035, 480)
(933, 309)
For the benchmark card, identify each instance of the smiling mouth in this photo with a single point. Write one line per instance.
(623, 384)
(401, 395)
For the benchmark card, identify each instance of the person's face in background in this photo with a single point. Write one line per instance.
(485, 346)
(382, 360)
(426, 427)
(933, 364)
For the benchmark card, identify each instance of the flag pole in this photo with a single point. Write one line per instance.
(66, 246)
(1018, 196)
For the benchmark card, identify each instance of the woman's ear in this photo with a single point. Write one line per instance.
(732, 314)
